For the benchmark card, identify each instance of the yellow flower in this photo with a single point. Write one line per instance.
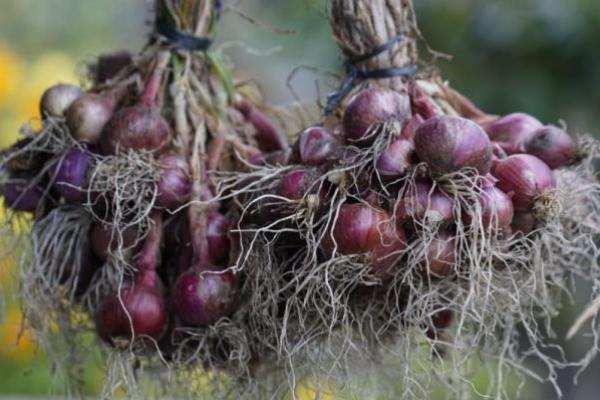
(15, 344)
(310, 390)
(11, 71)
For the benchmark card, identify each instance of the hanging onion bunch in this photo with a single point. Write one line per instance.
(130, 237)
(410, 225)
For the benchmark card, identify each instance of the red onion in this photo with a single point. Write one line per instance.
(496, 207)
(137, 310)
(440, 256)
(448, 144)
(22, 195)
(423, 203)
(410, 126)
(552, 145)
(201, 298)
(57, 99)
(268, 137)
(88, 115)
(70, 174)
(217, 235)
(108, 66)
(294, 185)
(174, 186)
(370, 107)
(498, 152)
(387, 253)
(513, 131)
(523, 222)
(359, 228)
(314, 146)
(139, 127)
(105, 239)
(524, 178)
(442, 319)
(395, 161)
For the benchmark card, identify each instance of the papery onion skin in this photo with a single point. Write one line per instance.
(386, 255)
(423, 203)
(552, 145)
(396, 160)
(88, 116)
(58, 98)
(448, 144)
(370, 107)
(524, 178)
(71, 174)
(314, 146)
(268, 136)
(358, 228)
(139, 127)
(513, 131)
(496, 207)
(201, 298)
(174, 186)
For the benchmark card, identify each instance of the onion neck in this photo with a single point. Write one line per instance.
(149, 257)
(194, 17)
(360, 26)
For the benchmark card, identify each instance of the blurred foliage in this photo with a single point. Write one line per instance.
(537, 56)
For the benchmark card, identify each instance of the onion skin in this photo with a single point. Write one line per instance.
(268, 137)
(71, 173)
(105, 240)
(174, 186)
(370, 107)
(139, 128)
(424, 204)
(513, 131)
(409, 128)
(22, 195)
(294, 185)
(358, 228)
(139, 306)
(384, 257)
(497, 208)
(58, 98)
(524, 178)
(395, 161)
(201, 298)
(440, 256)
(552, 145)
(88, 115)
(447, 144)
(314, 146)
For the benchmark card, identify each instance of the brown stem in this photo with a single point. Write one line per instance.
(360, 26)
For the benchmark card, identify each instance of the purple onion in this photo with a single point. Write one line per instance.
(513, 131)
(105, 239)
(396, 160)
(201, 298)
(371, 107)
(314, 146)
(22, 195)
(552, 145)
(139, 128)
(523, 222)
(70, 174)
(89, 114)
(57, 99)
(174, 186)
(497, 208)
(423, 203)
(137, 310)
(294, 185)
(524, 178)
(440, 256)
(448, 144)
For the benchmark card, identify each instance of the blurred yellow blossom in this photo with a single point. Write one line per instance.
(309, 390)
(11, 71)
(16, 345)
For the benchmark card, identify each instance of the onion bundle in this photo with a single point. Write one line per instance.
(130, 237)
(409, 225)
(172, 218)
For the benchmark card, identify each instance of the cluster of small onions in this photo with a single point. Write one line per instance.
(178, 288)
(512, 157)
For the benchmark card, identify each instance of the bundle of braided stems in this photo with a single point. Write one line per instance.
(405, 242)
